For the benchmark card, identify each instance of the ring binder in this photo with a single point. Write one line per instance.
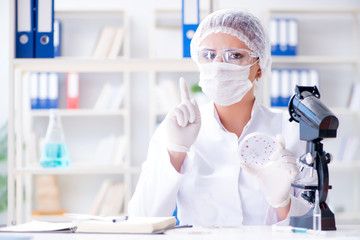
(24, 29)
(44, 35)
(190, 22)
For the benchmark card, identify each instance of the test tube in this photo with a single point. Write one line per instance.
(317, 213)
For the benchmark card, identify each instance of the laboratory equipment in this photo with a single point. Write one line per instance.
(55, 152)
(256, 149)
(316, 122)
(317, 213)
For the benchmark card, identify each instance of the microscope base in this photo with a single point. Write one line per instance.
(306, 221)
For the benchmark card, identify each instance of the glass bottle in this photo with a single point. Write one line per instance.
(55, 152)
(317, 213)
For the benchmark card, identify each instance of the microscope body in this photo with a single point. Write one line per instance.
(316, 122)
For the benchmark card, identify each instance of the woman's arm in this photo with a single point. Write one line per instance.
(283, 211)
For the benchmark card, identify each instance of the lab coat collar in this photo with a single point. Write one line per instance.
(216, 119)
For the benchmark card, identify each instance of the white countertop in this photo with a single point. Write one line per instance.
(243, 232)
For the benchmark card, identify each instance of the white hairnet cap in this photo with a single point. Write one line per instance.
(241, 24)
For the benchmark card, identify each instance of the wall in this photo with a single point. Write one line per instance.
(4, 76)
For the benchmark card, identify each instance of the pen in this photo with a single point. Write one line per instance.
(294, 229)
(300, 230)
(120, 219)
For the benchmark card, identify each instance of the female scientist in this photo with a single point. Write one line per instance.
(193, 159)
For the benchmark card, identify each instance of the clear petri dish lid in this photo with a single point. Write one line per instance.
(256, 149)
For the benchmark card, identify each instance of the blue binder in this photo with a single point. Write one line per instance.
(24, 29)
(285, 87)
(274, 36)
(190, 22)
(292, 37)
(275, 88)
(283, 37)
(44, 33)
(57, 38)
(34, 90)
(43, 90)
(53, 90)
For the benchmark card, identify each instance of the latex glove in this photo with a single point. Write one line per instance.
(276, 177)
(183, 122)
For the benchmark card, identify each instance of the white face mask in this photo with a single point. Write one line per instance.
(225, 83)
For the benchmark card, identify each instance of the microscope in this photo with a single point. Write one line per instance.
(316, 123)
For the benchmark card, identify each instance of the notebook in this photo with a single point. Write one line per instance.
(132, 225)
(41, 226)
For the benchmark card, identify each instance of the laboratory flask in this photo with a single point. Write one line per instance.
(55, 152)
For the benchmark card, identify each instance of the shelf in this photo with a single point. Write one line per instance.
(148, 65)
(105, 65)
(314, 10)
(348, 165)
(348, 216)
(336, 111)
(78, 112)
(89, 11)
(315, 59)
(345, 111)
(77, 170)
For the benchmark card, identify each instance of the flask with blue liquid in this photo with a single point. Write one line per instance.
(55, 152)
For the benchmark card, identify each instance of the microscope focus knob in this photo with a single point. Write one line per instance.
(328, 158)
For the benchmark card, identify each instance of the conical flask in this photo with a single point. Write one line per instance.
(55, 152)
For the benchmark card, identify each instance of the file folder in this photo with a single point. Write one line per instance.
(57, 38)
(190, 22)
(274, 36)
(285, 90)
(34, 90)
(314, 78)
(24, 29)
(304, 78)
(275, 88)
(44, 33)
(295, 79)
(283, 37)
(72, 90)
(43, 90)
(292, 37)
(53, 83)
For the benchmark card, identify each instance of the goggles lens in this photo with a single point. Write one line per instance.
(236, 56)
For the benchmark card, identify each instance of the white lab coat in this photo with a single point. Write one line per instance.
(212, 189)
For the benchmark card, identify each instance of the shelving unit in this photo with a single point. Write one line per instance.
(91, 65)
(316, 60)
(351, 61)
(168, 20)
(79, 169)
(23, 166)
(78, 113)
(20, 174)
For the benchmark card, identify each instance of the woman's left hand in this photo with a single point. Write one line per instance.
(276, 177)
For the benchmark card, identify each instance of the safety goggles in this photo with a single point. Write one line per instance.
(238, 56)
